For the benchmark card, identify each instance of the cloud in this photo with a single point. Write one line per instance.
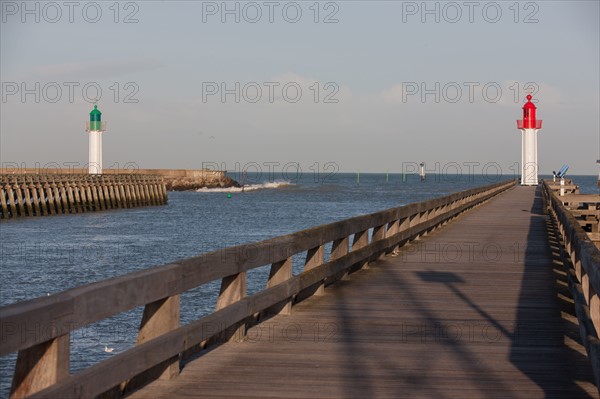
(393, 95)
(95, 69)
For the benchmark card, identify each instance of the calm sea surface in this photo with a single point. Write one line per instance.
(42, 256)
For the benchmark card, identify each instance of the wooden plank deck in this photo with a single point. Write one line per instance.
(477, 309)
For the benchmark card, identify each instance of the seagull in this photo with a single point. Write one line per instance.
(107, 349)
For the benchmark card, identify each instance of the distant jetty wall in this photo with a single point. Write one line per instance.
(54, 194)
(174, 179)
(42, 192)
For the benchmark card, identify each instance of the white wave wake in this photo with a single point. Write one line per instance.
(247, 187)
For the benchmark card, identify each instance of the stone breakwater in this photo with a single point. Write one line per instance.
(185, 180)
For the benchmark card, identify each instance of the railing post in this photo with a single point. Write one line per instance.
(392, 229)
(379, 233)
(315, 257)
(439, 210)
(159, 318)
(280, 272)
(404, 224)
(443, 209)
(415, 219)
(233, 289)
(361, 240)
(41, 366)
(339, 248)
(423, 217)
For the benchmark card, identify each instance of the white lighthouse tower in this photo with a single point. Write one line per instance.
(529, 127)
(95, 127)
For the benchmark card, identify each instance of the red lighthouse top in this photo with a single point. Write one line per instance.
(529, 121)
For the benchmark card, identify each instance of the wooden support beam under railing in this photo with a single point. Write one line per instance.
(41, 366)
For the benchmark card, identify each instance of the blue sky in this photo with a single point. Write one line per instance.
(161, 76)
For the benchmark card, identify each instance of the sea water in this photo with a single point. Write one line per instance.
(44, 255)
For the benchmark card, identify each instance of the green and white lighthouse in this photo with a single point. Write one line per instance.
(95, 127)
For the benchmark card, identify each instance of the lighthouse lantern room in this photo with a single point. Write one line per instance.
(529, 127)
(95, 127)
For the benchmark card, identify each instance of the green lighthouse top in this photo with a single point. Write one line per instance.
(95, 115)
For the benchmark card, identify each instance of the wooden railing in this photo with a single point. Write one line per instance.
(583, 273)
(39, 329)
(42, 195)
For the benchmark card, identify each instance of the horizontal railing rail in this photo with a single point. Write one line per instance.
(583, 273)
(161, 340)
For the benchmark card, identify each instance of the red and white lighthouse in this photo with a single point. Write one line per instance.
(529, 127)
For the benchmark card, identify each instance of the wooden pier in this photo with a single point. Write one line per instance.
(52, 194)
(470, 311)
(398, 303)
